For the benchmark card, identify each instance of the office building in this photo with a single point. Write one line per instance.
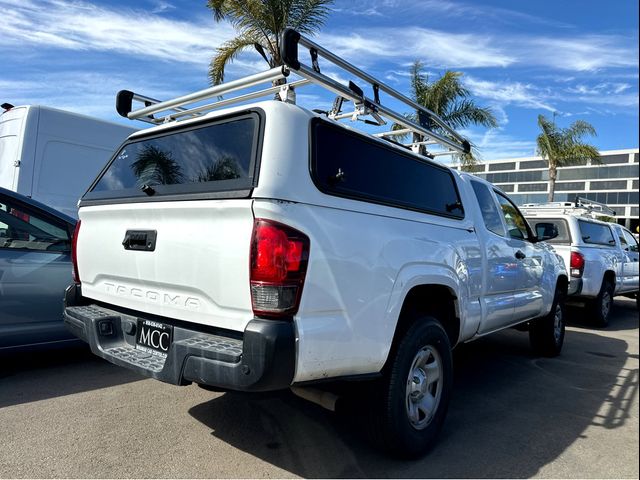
(613, 181)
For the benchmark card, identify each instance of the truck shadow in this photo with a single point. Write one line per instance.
(624, 316)
(29, 376)
(511, 414)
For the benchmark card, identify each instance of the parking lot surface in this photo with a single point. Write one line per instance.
(69, 414)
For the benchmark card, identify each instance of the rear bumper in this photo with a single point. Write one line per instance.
(260, 359)
(575, 286)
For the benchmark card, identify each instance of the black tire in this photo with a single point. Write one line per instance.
(637, 301)
(600, 307)
(389, 423)
(546, 334)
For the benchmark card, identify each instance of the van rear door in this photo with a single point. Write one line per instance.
(11, 134)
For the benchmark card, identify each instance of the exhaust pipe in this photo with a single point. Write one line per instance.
(326, 400)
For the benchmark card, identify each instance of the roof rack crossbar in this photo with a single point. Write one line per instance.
(289, 53)
(593, 205)
(393, 133)
(215, 91)
(230, 101)
(580, 207)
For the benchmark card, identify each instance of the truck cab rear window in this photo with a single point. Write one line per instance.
(218, 157)
(349, 165)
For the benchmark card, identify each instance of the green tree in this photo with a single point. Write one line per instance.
(259, 24)
(563, 147)
(448, 98)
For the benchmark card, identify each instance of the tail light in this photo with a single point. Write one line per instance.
(74, 253)
(279, 256)
(576, 264)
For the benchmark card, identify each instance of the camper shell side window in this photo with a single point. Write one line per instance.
(348, 164)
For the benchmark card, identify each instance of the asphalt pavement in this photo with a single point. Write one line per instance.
(66, 413)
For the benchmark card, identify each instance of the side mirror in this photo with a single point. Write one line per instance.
(546, 231)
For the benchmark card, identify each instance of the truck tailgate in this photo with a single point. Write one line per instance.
(197, 270)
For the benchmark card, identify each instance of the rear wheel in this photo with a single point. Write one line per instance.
(410, 402)
(546, 334)
(600, 307)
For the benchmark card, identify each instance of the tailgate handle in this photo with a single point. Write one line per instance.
(143, 240)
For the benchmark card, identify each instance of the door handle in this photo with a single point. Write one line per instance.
(144, 240)
(520, 255)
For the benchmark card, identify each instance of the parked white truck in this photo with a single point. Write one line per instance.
(52, 155)
(601, 257)
(266, 246)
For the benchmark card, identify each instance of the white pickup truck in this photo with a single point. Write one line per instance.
(602, 257)
(266, 246)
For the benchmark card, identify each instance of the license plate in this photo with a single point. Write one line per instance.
(153, 337)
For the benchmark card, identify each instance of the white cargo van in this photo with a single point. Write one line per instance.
(52, 155)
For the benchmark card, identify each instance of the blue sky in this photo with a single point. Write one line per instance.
(521, 58)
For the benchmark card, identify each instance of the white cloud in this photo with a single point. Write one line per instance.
(494, 144)
(161, 6)
(444, 49)
(437, 48)
(584, 53)
(81, 92)
(79, 25)
(506, 93)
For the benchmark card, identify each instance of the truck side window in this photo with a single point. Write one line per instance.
(21, 229)
(490, 213)
(630, 240)
(516, 224)
(623, 241)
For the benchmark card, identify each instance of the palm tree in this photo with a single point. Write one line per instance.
(259, 24)
(562, 147)
(448, 98)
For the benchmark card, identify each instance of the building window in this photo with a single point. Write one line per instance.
(527, 165)
(598, 172)
(609, 159)
(609, 185)
(570, 186)
(494, 167)
(532, 187)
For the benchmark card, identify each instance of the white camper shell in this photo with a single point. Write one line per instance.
(52, 155)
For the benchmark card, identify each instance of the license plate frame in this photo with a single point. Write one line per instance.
(154, 337)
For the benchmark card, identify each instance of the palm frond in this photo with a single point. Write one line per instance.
(466, 112)
(225, 54)
(563, 147)
(218, 8)
(307, 16)
(263, 21)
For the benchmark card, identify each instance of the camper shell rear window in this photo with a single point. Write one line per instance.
(208, 160)
(564, 234)
(348, 164)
